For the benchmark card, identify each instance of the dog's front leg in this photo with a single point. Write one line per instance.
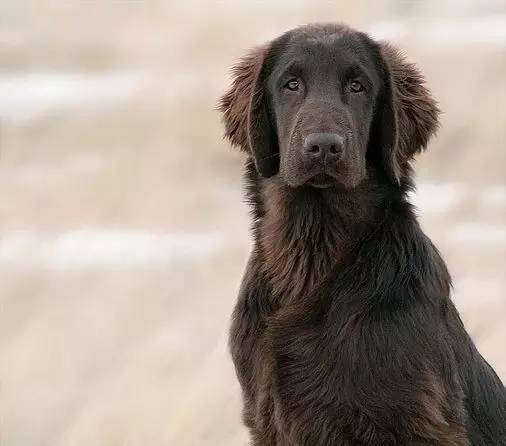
(251, 354)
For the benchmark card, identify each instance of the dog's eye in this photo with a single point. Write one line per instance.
(292, 85)
(356, 87)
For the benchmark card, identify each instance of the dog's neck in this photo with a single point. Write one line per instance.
(305, 233)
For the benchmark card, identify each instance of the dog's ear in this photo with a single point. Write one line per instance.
(409, 116)
(246, 113)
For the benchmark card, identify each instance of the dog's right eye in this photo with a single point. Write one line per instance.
(292, 85)
(356, 87)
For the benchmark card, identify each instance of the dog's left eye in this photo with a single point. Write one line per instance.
(292, 85)
(356, 87)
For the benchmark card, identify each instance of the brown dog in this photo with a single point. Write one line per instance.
(344, 332)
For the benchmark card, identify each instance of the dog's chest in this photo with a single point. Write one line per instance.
(301, 239)
(295, 265)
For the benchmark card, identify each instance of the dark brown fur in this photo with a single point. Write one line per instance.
(344, 332)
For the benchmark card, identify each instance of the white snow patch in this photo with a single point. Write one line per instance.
(476, 232)
(436, 197)
(494, 197)
(101, 248)
(24, 97)
(445, 31)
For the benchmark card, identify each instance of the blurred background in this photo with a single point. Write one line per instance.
(123, 232)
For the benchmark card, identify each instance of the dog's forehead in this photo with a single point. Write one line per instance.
(321, 34)
(316, 44)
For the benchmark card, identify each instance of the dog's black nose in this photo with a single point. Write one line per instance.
(327, 146)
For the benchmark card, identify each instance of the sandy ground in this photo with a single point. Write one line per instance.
(123, 234)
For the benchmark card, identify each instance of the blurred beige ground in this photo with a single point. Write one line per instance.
(123, 234)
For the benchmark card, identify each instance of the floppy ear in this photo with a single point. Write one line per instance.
(246, 114)
(409, 116)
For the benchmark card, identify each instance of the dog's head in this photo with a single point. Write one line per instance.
(323, 103)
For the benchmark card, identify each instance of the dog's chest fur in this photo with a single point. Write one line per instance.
(302, 238)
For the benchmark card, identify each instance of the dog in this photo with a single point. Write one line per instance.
(344, 332)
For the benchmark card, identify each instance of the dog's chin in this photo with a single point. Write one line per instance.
(324, 181)
(318, 179)
(321, 181)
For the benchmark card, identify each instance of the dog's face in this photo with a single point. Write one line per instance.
(321, 95)
(323, 104)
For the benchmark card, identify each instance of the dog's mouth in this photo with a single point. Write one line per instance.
(321, 181)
